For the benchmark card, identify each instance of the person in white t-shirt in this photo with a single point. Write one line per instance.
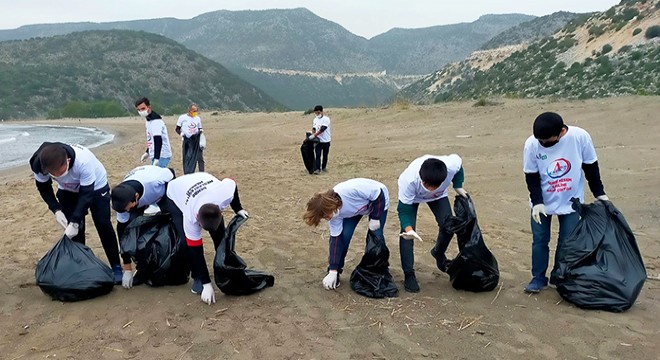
(321, 133)
(158, 142)
(201, 197)
(142, 187)
(343, 206)
(554, 159)
(427, 180)
(189, 126)
(82, 185)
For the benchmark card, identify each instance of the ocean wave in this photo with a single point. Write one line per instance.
(7, 140)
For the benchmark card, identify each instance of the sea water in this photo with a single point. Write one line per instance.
(19, 142)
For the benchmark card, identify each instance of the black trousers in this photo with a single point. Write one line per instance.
(100, 209)
(441, 209)
(198, 266)
(318, 149)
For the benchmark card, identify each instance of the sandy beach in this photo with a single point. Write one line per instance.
(297, 318)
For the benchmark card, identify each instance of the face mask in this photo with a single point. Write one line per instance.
(193, 114)
(548, 144)
(61, 176)
(143, 113)
(319, 116)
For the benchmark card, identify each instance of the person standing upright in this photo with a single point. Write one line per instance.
(320, 131)
(158, 142)
(189, 126)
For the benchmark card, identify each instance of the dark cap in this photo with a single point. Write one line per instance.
(547, 125)
(318, 108)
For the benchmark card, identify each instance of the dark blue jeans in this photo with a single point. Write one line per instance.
(339, 249)
(321, 147)
(541, 239)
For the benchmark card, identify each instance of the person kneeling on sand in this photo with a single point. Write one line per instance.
(343, 206)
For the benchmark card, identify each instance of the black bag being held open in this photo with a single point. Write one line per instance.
(372, 277)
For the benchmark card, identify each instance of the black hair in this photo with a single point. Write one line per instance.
(547, 125)
(121, 195)
(142, 100)
(433, 172)
(318, 108)
(52, 157)
(209, 217)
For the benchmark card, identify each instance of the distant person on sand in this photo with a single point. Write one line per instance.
(82, 186)
(343, 206)
(427, 180)
(321, 132)
(554, 158)
(189, 126)
(158, 142)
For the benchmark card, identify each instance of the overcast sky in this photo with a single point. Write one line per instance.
(362, 17)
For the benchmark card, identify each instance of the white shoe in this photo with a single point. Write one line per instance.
(151, 210)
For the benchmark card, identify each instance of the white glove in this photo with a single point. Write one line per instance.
(537, 210)
(144, 157)
(411, 235)
(243, 213)
(602, 198)
(155, 162)
(374, 224)
(71, 230)
(208, 295)
(61, 218)
(461, 192)
(311, 137)
(330, 280)
(202, 141)
(127, 279)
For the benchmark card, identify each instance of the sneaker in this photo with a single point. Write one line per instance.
(197, 286)
(117, 274)
(536, 285)
(324, 170)
(316, 172)
(440, 260)
(410, 283)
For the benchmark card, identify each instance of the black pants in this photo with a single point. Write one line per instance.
(196, 258)
(100, 209)
(325, 148)
(441, 210)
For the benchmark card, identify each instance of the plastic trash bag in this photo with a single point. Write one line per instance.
(474, 268)
(155, 247)
(191, 153)
(71, 272)
(372, 277)
(307, 152)
(599, 263)
(229, 269)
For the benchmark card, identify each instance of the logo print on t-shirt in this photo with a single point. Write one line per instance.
(558, 168)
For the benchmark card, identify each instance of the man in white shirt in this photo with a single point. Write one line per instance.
(201, 197)
(82, 185)
(189, 126)
(320, 132)
(554, 158)
(427, 180)
(158, 142)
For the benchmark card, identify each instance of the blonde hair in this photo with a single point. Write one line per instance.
(320, 206)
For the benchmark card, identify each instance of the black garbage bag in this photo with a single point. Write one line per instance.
(155, 247)
(307, 151)
(474, 268)
(191, 153)
(372, 277)
(599, 263)
(229, 269)
(71, 272)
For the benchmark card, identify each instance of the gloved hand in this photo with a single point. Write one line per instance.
(330, 280)
(311, 137)
(374, 224)
(411, 235)
(144, 157)
(127, 279)
(537, 210)
(155, 162)
(243, 213)
(61, 218)
(602, 198)
(202, 141)
(461, 192)
(208, 295)
(71, 230)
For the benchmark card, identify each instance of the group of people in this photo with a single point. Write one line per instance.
(556, 160)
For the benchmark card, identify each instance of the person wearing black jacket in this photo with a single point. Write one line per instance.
(82, 187)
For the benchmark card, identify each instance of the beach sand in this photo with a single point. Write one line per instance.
(297, 318)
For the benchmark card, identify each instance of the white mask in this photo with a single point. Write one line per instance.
(61, 176)
(319, 116)
(143, 113)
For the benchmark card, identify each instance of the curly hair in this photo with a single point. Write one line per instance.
(321, 206)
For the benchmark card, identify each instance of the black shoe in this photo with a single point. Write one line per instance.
(410, 283)
(440, 261)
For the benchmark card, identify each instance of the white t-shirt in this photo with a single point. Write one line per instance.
(86, 170)
(153, 180)
(355, 197)
(324, 137)
(156, 127)
(190, 192)
(560, 167)
(412, 191)
(189, 125)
